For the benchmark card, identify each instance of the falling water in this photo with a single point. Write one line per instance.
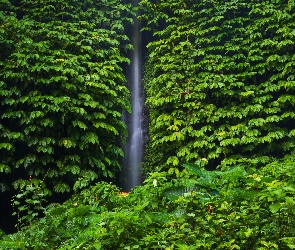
(134, 146)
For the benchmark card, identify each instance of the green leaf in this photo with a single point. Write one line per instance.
(275, 207)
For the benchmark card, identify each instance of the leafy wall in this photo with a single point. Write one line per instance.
(62, 90)
(220, 82)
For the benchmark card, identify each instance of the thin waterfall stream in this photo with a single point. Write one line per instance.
(133, 149)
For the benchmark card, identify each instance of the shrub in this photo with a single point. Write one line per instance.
(194, 208)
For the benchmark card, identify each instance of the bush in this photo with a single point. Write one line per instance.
(191, 209)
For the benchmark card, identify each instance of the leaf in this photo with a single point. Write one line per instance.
(275, 207)
(5, 168)
(248, 232)
(97, 245)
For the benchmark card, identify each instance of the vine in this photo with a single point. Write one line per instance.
(62, 90)
(221, 83)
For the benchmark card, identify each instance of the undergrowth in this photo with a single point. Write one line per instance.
(194, 208)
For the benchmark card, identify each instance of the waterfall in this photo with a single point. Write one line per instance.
(134, 146)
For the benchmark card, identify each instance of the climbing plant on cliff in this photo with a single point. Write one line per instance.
(220, 84)
(62, 91)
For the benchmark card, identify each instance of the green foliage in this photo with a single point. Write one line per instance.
(29, 201)
(220, 82)
(62, 90)
(175, 210)
(220, 89)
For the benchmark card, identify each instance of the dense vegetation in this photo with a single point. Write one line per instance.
(219, 81)
(62, 93)
(188, 210)
(220, 87)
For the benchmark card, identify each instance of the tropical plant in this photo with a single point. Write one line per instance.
(188, 209)
(220, 85)
(62, 90)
